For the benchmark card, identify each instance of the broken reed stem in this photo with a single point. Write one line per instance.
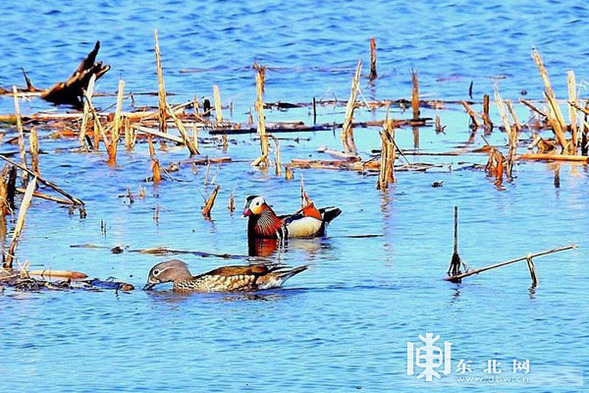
(206, 211)
(161, 92)
(21, 135)
(555, 117)
(34, 148)
(99, 130)
(415, 94)
(373, 73)
(86, 115)
(231, 205)
(550, 97)
(473, 115)
(186, 139)
(512, 134)
(533, 108)
(572, 87)
(288, 173)
(218, 106)
(278, 165)
(41, 195)
(46, 182)
(155, 164)
(259, 105)
(387, 156)
(117, 122)
(516, 122)
(495, 166)
(552, 117)
(509, 262)
(22, 213)
(130, 135)
(347, 135)
(532, 269)
(486, 117)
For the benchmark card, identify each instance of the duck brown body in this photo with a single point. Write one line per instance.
(223, 279)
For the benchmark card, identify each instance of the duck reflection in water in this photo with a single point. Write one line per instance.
(268, 247)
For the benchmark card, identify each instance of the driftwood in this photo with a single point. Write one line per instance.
(70, 91)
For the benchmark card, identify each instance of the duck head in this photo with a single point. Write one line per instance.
(167, 271)
(254, 205)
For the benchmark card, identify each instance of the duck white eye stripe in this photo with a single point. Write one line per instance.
(161, 271)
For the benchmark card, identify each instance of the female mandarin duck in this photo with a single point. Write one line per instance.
(224, 279)
(265, 224)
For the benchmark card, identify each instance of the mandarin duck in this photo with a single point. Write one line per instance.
(265, 224)
(224, 279)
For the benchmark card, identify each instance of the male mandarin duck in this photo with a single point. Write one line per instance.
(307, 222)
(224, 279)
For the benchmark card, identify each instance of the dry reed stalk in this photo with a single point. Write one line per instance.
(438, 125)
(7, 190)
(231, 206)
(58, 274)
(456, 263)
(305, 200)
(130, 136)
(208, 171)
(415, 94)
(118, 119)
(387, 157)
(34, 149)
(195, 136)
(116, 129)
(41, 195)
(486, 116)
(556, 125)
(86, 115)
(98, 129)
(473, 115)
(153, 132)
(224, 143)
(22, 214)
(288, 173)
(373, 73)
(550, 97)
(206, 211)
(259, 105)
(512, 135)
(21, 135)
(48, 183)
(516, 123)
(278, 165)
(185, 138)
(218, 107)
(553, 157)
(495, 167)
(347, 128)
(572, 87)
(161, 114)
(533, 108)
(155, 164)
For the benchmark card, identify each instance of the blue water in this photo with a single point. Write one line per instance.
(344, 324)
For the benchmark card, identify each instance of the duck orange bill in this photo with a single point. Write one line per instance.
(247, 212)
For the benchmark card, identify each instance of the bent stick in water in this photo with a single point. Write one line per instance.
(509, 262)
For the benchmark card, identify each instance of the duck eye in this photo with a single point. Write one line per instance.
(156, 272)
